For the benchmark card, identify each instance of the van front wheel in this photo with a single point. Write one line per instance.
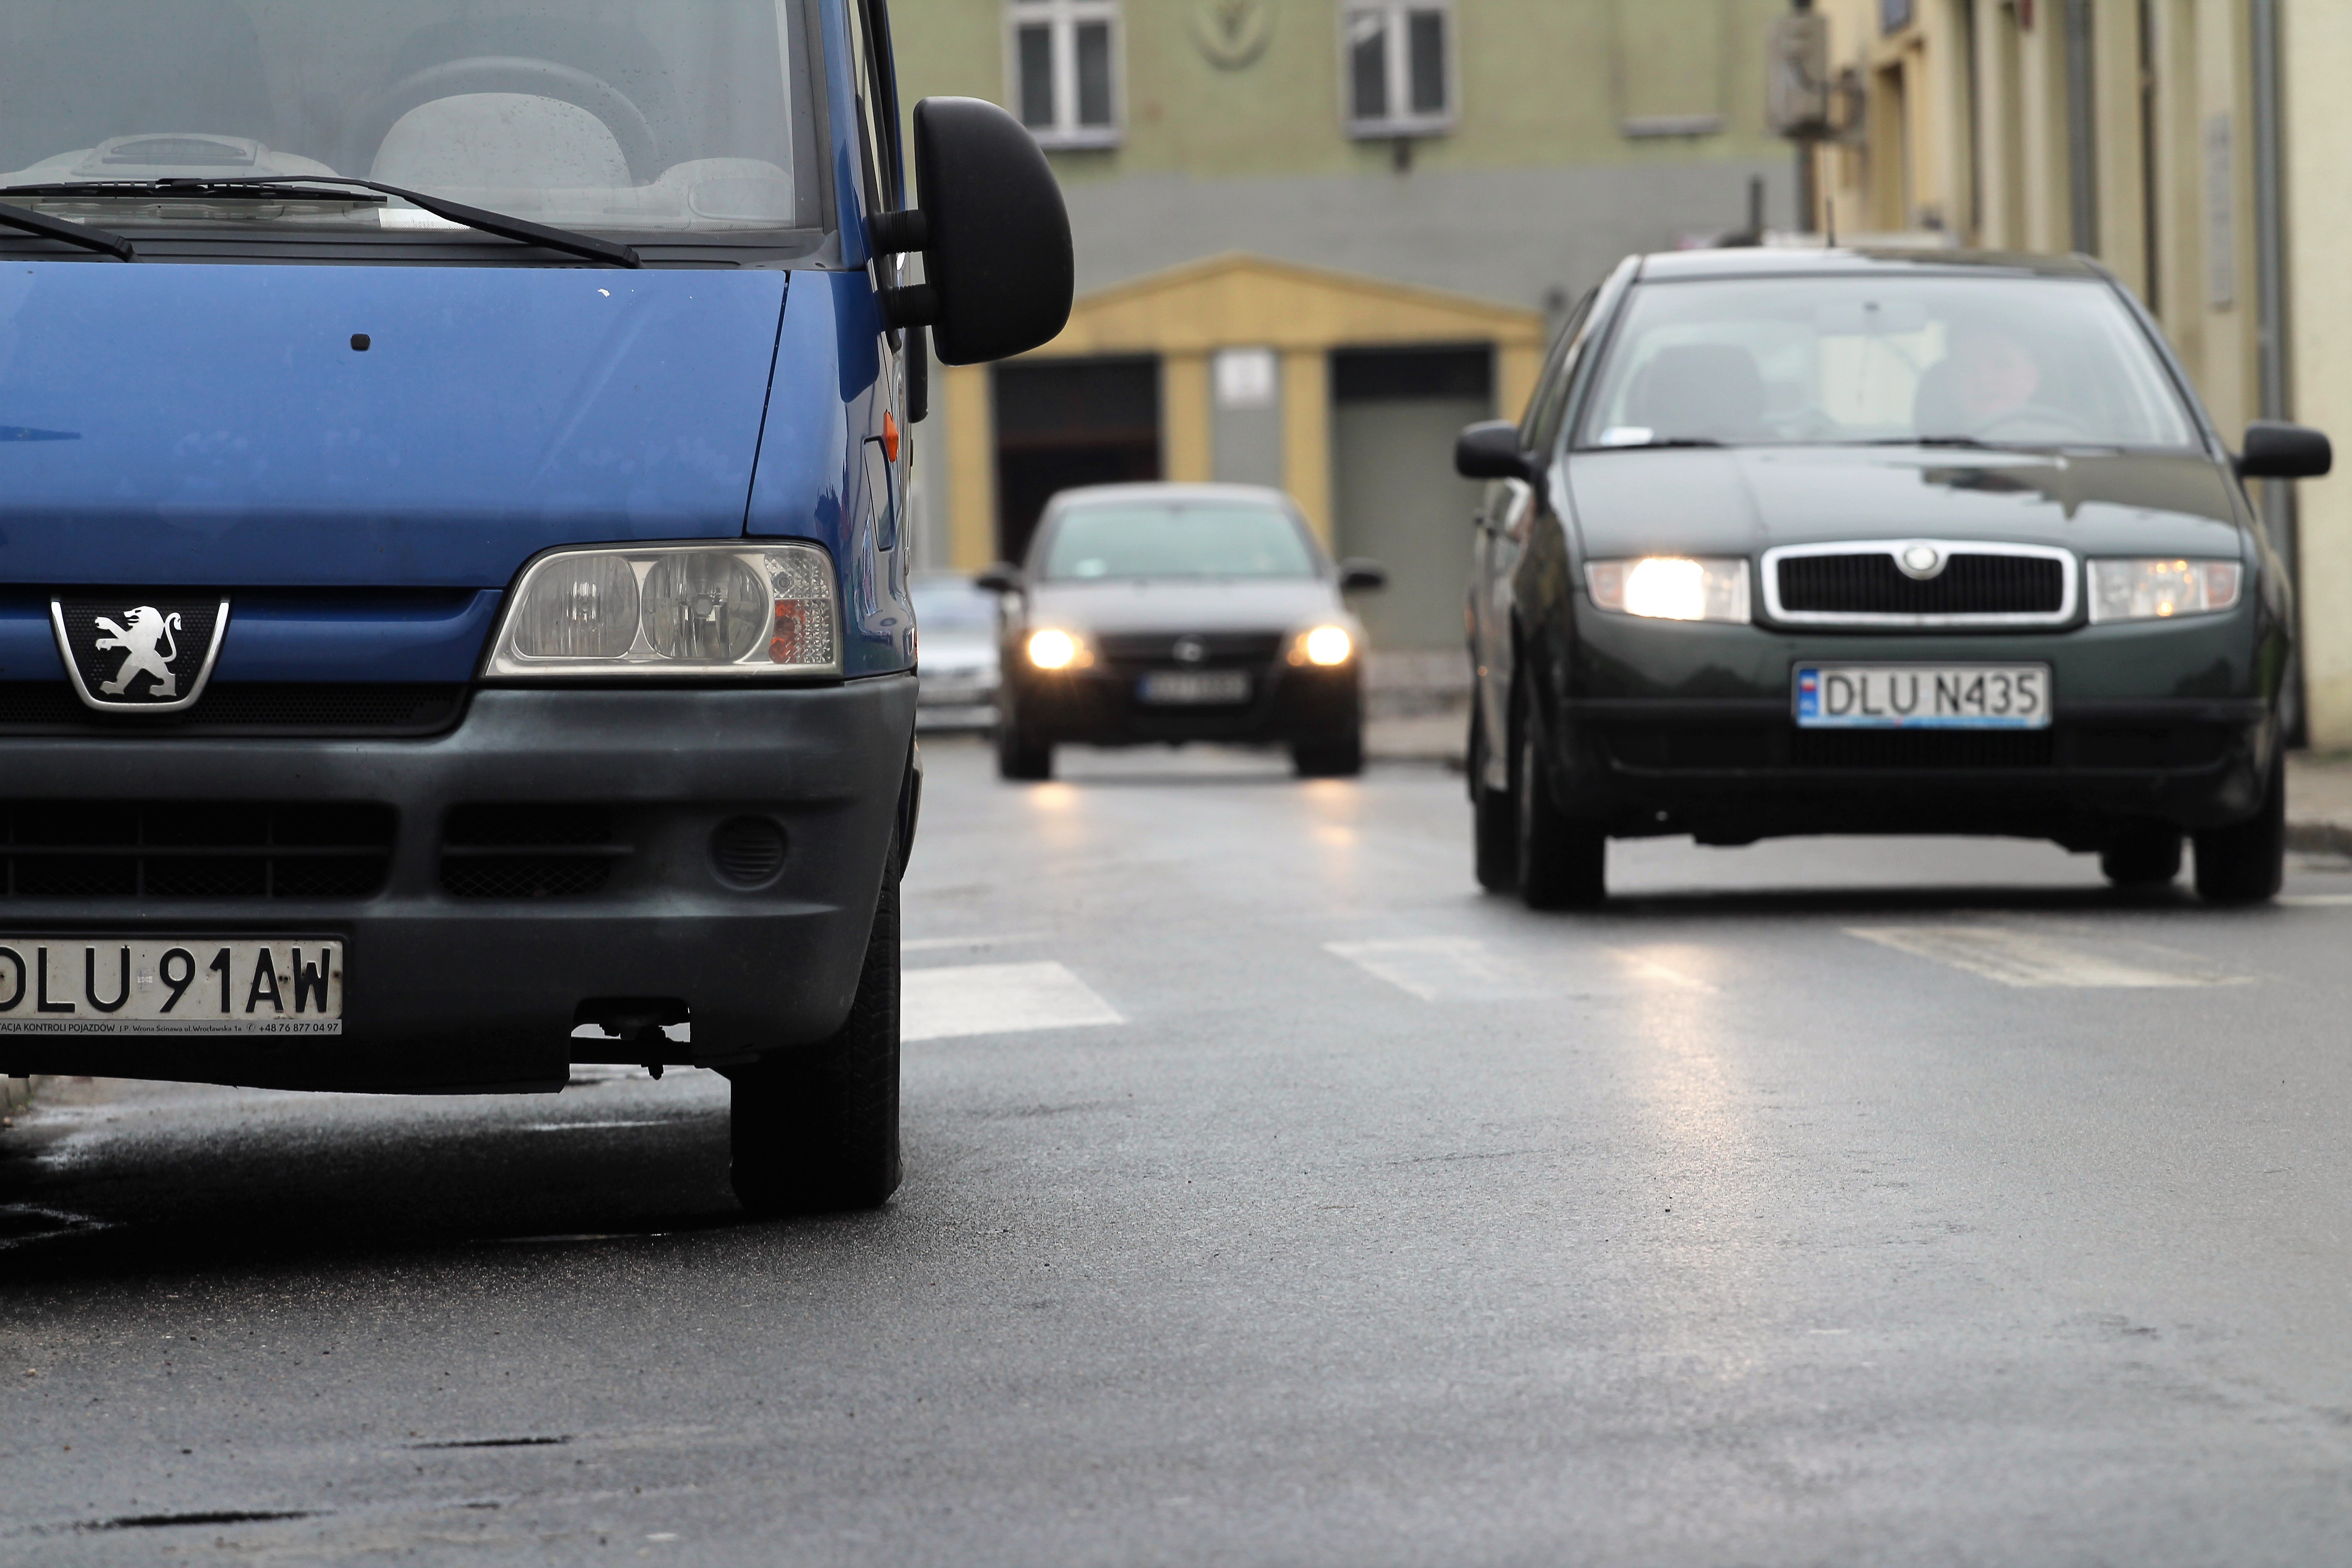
(815, 1130)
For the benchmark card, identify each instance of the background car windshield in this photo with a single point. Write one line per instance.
(607, 114)
(1158, 540)
(1806, 360)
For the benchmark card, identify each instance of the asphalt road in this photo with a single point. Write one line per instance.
(1275, 1198)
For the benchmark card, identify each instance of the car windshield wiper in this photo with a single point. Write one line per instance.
(1970, 442)
(80, 234)
(1654, 444)
(522, 231)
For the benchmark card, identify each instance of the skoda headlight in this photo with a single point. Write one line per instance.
(1671, 587)
(2158, 590)
(687, 610)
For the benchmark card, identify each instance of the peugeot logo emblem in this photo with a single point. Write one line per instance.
(1190, 650)
(1920, 560)
(125, 656)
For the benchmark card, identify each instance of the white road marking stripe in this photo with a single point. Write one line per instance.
(995, 999)
(1431, 966)
(2027, 958)
(2315, 901)
(951, 943)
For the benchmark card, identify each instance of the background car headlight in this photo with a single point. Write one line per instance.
(647, 610)
(2159, 589)
(1054, 648)
(1324, 645)
(1671, 587)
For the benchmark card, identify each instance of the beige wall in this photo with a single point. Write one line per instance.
(2176, 221)
(2318, 64)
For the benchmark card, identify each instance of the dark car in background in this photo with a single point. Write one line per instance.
(1802, 542)
(1165, 613)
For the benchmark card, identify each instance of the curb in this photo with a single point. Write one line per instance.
(2320, 837)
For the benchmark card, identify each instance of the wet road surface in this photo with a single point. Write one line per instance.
(1273, 1197)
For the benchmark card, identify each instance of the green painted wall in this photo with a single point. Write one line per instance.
(1542, 82)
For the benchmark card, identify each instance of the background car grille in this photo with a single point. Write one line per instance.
(195, 849)
(242, 708)
(1220, 650)
(1969, 584)
(530, 851)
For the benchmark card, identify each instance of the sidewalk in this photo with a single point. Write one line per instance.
(2319, 803)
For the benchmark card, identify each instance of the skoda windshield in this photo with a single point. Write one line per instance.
(652, 116)
(2006, 362)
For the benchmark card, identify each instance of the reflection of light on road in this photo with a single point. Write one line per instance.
(1334, 834)
(1668, 964)
(1052, 797)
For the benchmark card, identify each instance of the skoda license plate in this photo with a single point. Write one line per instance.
(192, 986)
(1922, 696)
(1196, 686)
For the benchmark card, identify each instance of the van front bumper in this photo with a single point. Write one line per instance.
(462, 979)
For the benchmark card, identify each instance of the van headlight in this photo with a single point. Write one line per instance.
(1671, 587)
(672, 610)
(2159, 589)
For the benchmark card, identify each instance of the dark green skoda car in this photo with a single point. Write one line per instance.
(1831, 541)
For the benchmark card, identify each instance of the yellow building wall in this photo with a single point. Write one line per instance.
(2317, 63)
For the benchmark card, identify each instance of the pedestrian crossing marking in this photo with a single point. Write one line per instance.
(1429, 967)
(1449, 968)
(2028, 959)
(995, 999)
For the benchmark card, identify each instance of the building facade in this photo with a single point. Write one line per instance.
(2192, 146)
(1316, 237)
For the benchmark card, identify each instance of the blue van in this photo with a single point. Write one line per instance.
(453, 590)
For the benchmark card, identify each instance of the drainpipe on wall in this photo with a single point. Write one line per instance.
(2270, 365)
(2081, 130)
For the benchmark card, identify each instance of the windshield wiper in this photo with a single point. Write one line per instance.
(522, 231)
(80, 234)
(1654, 446)
(1969, 442)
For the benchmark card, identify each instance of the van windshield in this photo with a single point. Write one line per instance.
(1177, 538)
(2003, 360)
(633, 115)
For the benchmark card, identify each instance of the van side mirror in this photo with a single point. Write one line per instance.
(1000, 578)
(996, 238)
(2277, 450)
(1490, 450)
(1357, 574)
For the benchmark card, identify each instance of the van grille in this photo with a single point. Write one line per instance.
(195, 849)
(242, 708)
(530, 851)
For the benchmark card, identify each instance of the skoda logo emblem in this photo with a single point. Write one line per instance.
(1920, 561)
(138, 653)
(1190, 650)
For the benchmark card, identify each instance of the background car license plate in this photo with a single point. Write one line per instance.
(1922, 696)
(193, 986)
(1196, 686)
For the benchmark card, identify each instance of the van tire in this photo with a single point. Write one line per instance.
(2246, 863)
(815, 1130)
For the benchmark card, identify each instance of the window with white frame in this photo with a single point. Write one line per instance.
(1399, 67)
(1065, 69)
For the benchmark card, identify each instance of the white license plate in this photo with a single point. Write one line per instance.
(1922, 696)
(190, 985)
(1182, 686)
